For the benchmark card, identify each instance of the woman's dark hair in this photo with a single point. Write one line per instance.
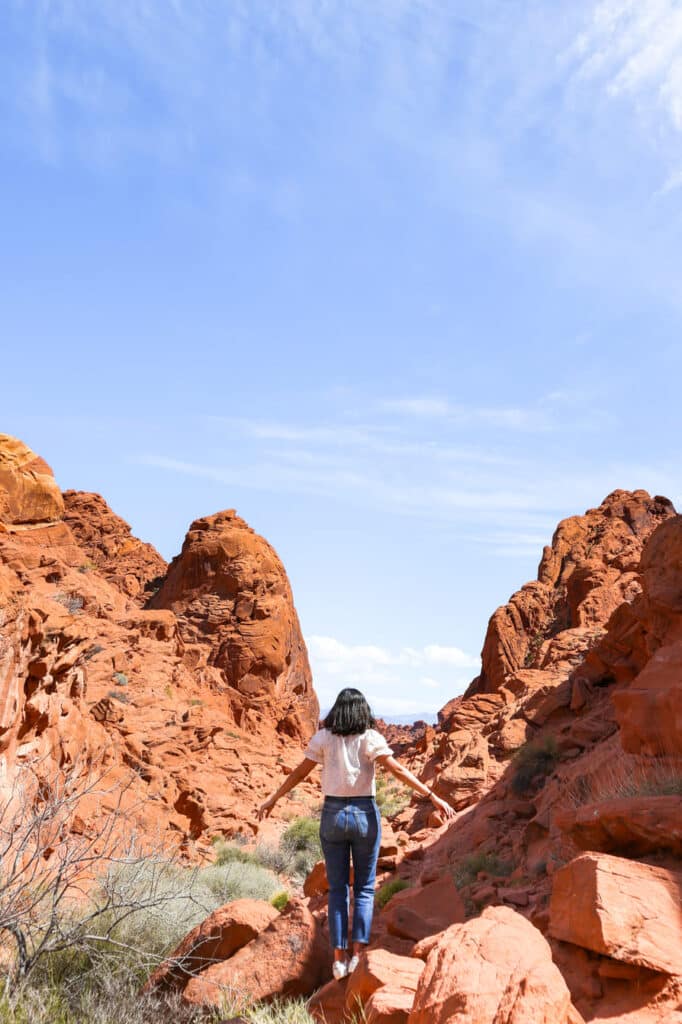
(350, 714)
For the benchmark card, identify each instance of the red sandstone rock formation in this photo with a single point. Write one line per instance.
(288, 958)
(568, 741)
(193, 717)
(590, 568)
(496, 968)
(235, 609)
(623, 909)
(132, 566)
(566, 751)
(216, 939)
(28, 491)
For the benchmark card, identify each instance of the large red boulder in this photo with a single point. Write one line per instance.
(289, 958)
(380, 969)
(620, 908)
(416, 913)
(649, 710)
(494, 969)
(635, 825)
(226, 930)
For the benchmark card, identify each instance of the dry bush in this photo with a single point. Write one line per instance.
(392, 796)
(84, 918)
(626, 775)
(66, 890)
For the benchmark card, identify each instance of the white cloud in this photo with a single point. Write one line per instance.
(502, 417)
(386, 676)
(418, 406)
(440, 655)
(634, 47)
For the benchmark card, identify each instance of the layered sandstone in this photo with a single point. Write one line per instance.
(131, 565)
(192, 712)
(28, 490)
(234, 605)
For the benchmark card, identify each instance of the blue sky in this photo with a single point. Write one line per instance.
(399, 280)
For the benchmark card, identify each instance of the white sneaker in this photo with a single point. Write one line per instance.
(353, 963)
(339, 969)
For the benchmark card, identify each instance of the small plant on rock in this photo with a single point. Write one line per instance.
(466, 870)
(533, 762)
(388, 890)
(280, 900)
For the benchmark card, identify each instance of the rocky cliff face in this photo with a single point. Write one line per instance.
(589, 570)
(564, 759)
(195, 704)
(236, 613)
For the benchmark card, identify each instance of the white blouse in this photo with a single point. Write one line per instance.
(347, 761)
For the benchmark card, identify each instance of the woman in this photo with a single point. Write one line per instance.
(348, 747)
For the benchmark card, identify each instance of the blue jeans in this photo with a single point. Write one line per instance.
(350, 825)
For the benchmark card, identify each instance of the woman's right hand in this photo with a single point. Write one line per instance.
(441, 805)
(265, 808)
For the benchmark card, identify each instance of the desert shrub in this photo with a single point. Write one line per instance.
(298, 850)
(230, 853)
(286, 1012)
(467, 869)
(236, 880)
(100, 997)
(388, 890)
(300, 843)
(629, 775)
(120, 678)
(301, 835)
(72, 602)
(281, 1011)
(274, 858)
(280, 900)
(391, 796)
(533, 762)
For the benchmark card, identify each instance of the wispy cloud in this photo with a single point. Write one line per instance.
(634, 48)
(418, 406)
(509, 417)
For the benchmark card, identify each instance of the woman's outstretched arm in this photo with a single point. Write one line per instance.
(406, 776)
(297, 775)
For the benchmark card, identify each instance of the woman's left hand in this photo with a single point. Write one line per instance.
(265, 808)
(444, 808)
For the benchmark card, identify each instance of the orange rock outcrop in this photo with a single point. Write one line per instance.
(236, 614)
(194, 703)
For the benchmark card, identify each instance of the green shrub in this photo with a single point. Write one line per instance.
(235, 880)
(388, 890)
(289, 1011)
(300, 843)
(280, 900)
(229, 853)
(391, 796)
(302, 834)
(120, 678)
(533, 762)
(466, 870)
